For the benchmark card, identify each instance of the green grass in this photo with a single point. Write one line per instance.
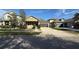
(18, 33)
(12, 31)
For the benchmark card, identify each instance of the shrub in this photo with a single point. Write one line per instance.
(38, 26)
(34, 26)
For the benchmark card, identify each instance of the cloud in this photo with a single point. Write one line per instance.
(65, 12)
(61, 13)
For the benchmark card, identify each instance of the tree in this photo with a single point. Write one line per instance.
(13, 19)
(23, 15)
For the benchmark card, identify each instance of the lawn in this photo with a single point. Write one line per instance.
(11, 31)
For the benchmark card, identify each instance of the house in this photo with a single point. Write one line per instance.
(44, 23)
(56, 22)
(68, 23)
(7, 19)
(76, 24)
(31, 20)
(71, 23)
(4, 22)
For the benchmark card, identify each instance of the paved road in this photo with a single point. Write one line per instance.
(48, 39)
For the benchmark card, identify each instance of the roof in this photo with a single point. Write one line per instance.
(31, 18)
(69, 20)
(55, 20)
(1, 20)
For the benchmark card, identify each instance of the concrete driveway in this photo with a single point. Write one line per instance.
(60, 34)
(48, 39)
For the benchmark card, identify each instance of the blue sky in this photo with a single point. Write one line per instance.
(45, 13)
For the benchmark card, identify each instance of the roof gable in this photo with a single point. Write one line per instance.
(31, 18)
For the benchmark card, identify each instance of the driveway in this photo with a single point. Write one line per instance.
(60, 34)
(48, 39)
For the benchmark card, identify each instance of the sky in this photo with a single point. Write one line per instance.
(45, 13)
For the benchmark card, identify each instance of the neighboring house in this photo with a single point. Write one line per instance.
(71, 23)
(44, 23)
(7, 19)
(4, 22)
(56, 22)
(52, 23)
(31, 20)
(76, 24)
(68, 23)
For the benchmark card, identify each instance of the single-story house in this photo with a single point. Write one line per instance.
(31, 20)
(44, 23)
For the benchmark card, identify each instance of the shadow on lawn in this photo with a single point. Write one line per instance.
(35, 42)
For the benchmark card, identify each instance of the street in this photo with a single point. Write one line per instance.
(48, 39)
